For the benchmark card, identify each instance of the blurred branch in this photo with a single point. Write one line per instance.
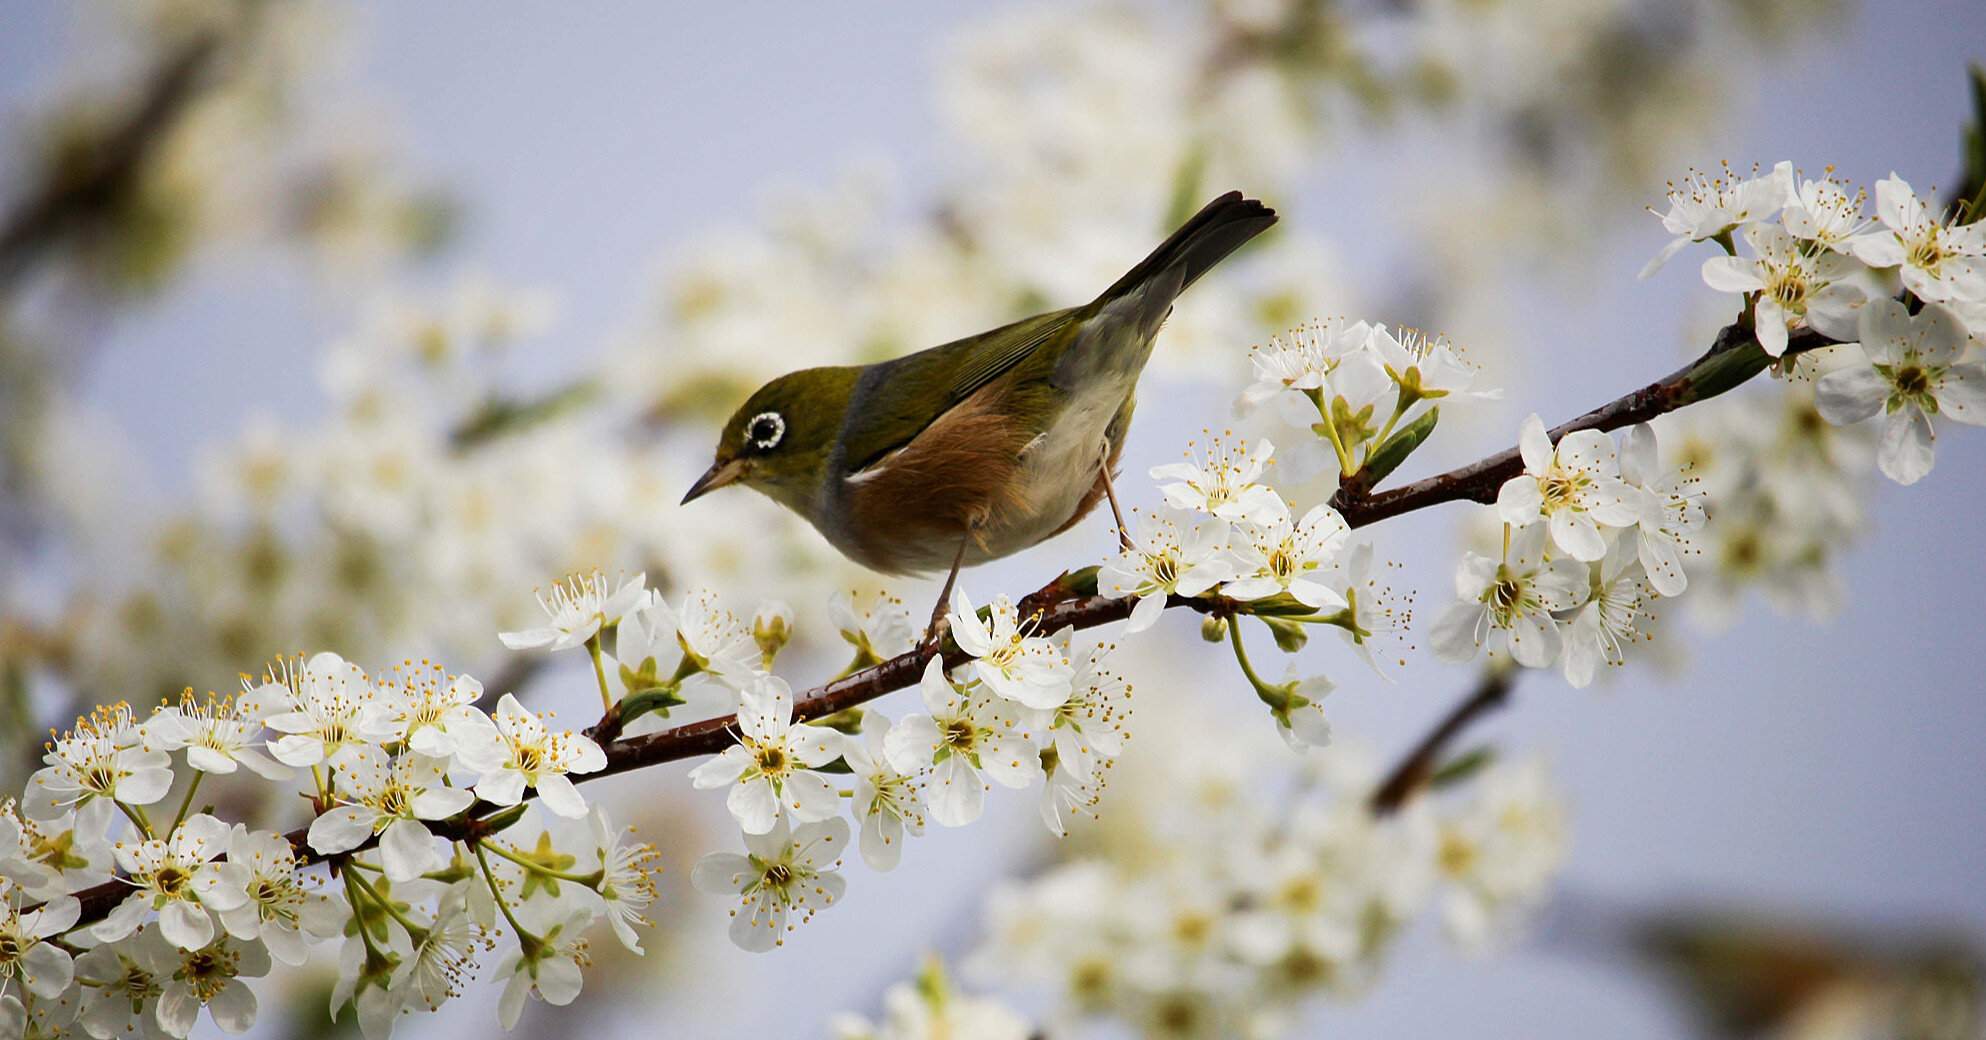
(107, 172)
(1423, 762)
(501, 416)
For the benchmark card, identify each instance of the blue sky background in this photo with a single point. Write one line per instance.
(1828, 768)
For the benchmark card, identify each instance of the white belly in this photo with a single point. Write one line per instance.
(1057, 469)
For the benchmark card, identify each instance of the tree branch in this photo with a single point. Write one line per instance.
(1733, 358)
(1071, 600)
(107, 172)
(1415, 770)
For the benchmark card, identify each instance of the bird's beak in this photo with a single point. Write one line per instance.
(718, 475)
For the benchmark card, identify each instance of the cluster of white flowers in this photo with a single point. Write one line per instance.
(1235, 907)
(930, 1009)
(1591, 536)
(1789, 492)
(393, 764)
(1816, 261)
(1354, 384)
(1023, 709)
(1370, 395)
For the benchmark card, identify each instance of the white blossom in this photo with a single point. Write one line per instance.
(966, 737)
(1574, 486)
(177, 877)
(329, 715)
(1792, 284)
(1938, 261)
(61, 854)
(105, 756)
(210, 977)
(523, 752)
(1823, 212)
(1508, 604)
(888, 803)
(393, 799)
(1300, 359)
(1499, 853)
(126, 980)
(42, 968)
(932, 1010)
(1007, 656)
(434, 972)
(1914, 372)
(215, 738)
(1603, 627)
(1424, 368)
(770, 771)
(882, 631)
(578, 609)
(433, 712)
(1162, 562)
(1671, 511)
(712, 638)
(1375, 613)
(788, 872)
(1280, 556)
(279, 911)
(547, 968)
(1224, 483)
(1704, 207)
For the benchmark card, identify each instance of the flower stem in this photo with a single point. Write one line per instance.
(1247, 669)
(358, 920)
(1345, 467)
(187, 802)
(588, 880)
(414, 931)
(1400, 406)
(489, 878)
(137, 817)
(600, 672)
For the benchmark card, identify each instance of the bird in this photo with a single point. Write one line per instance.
(976, 449)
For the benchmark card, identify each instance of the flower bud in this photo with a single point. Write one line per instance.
(772, 627)
(1213, 628)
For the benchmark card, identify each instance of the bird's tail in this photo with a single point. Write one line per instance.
(1221, 227)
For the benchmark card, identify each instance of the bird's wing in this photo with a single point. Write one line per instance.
(899, 399)
(991, 354)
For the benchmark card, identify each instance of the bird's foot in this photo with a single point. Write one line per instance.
(935, 635)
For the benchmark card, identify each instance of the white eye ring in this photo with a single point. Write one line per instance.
(766, 440)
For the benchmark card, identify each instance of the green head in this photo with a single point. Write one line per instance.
(779, 441)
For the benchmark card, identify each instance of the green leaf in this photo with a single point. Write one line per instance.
(1387, 457)
(1080, 582)
(1462, 767)
(1972, 183)
(847, 720)
(648, 699)
(500, 821)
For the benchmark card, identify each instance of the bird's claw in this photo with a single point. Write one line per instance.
(934, 636)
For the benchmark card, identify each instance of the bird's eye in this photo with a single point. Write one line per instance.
(765, 430)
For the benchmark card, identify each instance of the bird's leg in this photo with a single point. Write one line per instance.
(1110, 492)
(934, 633)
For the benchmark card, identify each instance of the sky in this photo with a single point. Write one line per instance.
(1814, 768)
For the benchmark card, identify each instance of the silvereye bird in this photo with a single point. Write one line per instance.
(978, 448)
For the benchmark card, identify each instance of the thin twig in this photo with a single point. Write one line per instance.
(1419, 765)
